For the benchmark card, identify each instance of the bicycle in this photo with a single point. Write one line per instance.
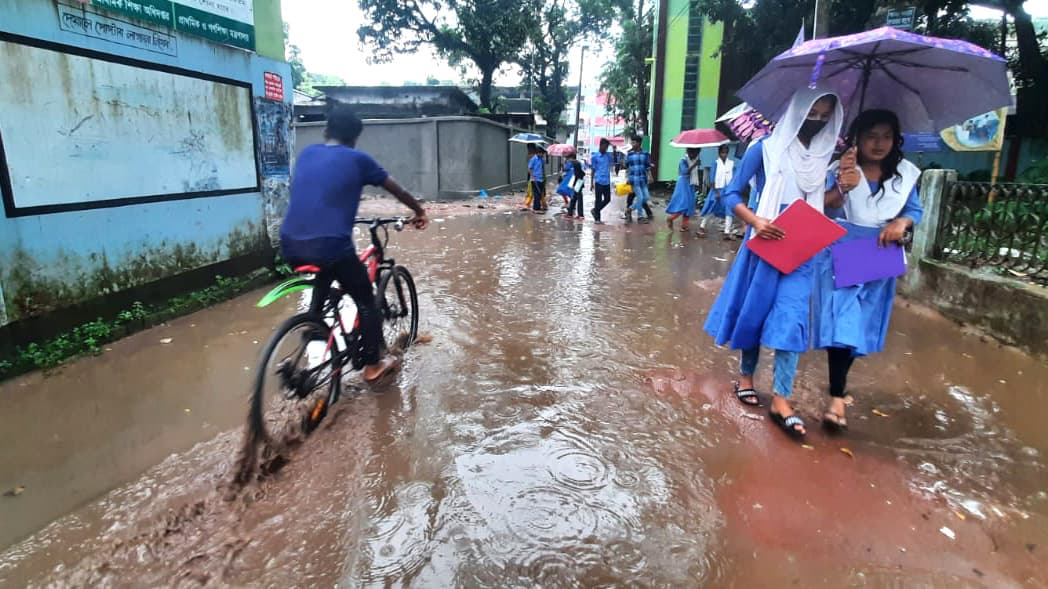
(323, 346)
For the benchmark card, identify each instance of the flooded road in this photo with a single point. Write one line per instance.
(569, 425)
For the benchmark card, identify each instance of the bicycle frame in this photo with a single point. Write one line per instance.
(373, 258)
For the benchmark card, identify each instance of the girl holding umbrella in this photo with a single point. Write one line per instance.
(874, 191)
(758, 305)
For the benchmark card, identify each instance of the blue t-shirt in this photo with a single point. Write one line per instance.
(637, 164)
(325, 195)
(537, 169)
(602, 164)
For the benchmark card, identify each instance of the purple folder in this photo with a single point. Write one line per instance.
(862, 260)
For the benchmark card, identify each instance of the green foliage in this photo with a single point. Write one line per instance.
(562, 25)
(485, 33)
(626, 79)
(1035, 174)
(88, 338)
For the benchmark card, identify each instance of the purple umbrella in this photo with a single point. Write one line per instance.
(930, 83)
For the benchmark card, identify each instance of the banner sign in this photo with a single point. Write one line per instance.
(230, 22)
(982, 133)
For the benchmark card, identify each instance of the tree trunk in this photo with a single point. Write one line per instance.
(1033, 96)
(487, 74)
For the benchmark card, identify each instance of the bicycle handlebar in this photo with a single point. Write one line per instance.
(375, 222)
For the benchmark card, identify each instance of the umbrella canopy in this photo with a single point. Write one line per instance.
(744, 124)
(527, 138)
(561, 149)
(700, 138)
(930, 83)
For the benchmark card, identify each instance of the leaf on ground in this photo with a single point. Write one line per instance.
(166, 340)
(14, 492)
(753, 416)
(879, 413)
(807, 446)
(960, 515)
(424, 339)
(948, 533)
(847, 453)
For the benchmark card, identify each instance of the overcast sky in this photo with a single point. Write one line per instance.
(326, 32)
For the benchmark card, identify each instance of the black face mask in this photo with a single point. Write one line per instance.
(810, 129)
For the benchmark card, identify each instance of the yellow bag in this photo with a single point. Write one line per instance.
(623, 189)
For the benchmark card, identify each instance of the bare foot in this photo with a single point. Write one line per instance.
(384, 366)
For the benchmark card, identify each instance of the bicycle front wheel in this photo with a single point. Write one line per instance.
(398, 303)
(296, 361)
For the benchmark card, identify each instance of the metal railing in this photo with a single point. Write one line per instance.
(1001, 227)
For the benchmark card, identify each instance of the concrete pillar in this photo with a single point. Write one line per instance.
(934, 184)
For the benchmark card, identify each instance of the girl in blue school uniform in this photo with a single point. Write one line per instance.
(721, 174)
(683, 201)
(758, 305)
(567, 180)
(872, 192)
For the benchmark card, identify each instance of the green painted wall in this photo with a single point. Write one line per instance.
(269, 29)
(673, 92)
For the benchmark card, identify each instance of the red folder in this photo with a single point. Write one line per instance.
(807, 232)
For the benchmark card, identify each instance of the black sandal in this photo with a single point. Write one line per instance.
(789, 424)
(744, 396)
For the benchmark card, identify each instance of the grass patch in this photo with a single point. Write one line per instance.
(89, 338)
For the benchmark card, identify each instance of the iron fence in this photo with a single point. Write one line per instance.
(1008, 235)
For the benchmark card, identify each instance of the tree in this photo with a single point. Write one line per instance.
(775, 23)
(562, 24)
(294, 58)
(1030, 68)
(485, 33)
(627, 79)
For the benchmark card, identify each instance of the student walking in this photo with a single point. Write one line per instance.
(601, 164)
(872, 192)
(638, 167)
(722, 172)
(537, 174)
(758, 305)
(683, 202)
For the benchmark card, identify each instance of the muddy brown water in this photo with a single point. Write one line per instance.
(568, 426)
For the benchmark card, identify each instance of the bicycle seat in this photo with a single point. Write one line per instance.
(308, 269)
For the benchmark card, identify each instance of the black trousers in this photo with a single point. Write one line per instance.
(840, 361)
(575, 205)
(352, 277)
(602, 198)
(538, 195)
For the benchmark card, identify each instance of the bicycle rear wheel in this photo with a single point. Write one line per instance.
(398, 303)
(296, 362)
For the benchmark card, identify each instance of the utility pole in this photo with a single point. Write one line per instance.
(821, 27)
(578, 98)
(531, 90)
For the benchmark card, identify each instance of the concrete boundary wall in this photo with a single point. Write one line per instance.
(1014, 312)
(440, 157)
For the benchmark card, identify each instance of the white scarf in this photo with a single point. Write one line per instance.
(793, 171)
(725, 170)
(862, 207)
(695, 179)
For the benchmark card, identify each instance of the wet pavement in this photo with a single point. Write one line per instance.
(569, 425)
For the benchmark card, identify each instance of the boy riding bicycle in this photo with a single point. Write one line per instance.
(318, 227)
